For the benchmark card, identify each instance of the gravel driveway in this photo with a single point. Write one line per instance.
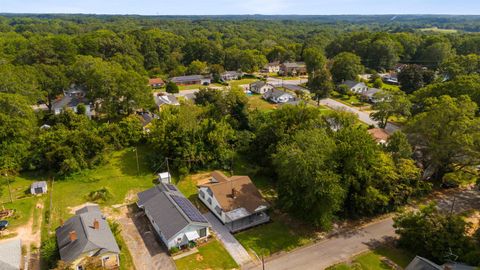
(147, 252)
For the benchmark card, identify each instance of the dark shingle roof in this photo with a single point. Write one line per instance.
(258, 84)
(187, 78)
(165, 212)
(351, 84)
(420, 263)
(88, 238)
(275, 93)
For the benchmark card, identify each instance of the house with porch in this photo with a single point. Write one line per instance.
(355, 87)
(70, 100)
(86, 235)
(260, 87)
(278, 96)
(293, 68)
(176, 221)
(235, 201)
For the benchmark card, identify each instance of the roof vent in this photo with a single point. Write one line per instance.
(96, 224)
(73, 236)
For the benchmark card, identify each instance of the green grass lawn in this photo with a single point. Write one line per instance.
(257, 102)
(375, 260)
(23, 211)
(350, 100)
(118, 175)
(273, 237)
(210, 256)
(235, 83)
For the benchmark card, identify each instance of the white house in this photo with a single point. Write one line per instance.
(356, 87)
(176, 221)
(39, 187)
(70, 100)
(260, 87)
(273, 67)
(278, 96)
(231, 75)
(235, 201)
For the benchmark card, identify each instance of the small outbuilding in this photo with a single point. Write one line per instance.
(11, 254)
(164, 177)
(39, 188)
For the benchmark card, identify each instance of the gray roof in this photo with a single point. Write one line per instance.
(39, 184)
(10, 254)
(420, 263)
(352, 84)
(165, 212)
(88, 238)
(167, 99)
(188, 78)
(233, 73)
(371, 91)
(275, 93)
(258, 84)
(71, 99)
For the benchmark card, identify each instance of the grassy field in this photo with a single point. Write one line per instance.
(273, 237)
(118, 176)
(375, 260)
(256, 102)
(439, 30)
(210, 256)
(235, 83)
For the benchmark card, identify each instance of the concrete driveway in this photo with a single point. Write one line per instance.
(236, 250)
(147, 252)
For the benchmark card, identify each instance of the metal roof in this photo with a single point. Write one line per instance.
(162, 204)
(10, 254)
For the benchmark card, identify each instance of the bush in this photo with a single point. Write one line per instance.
(102, 194)
(174, 250)
(49, 252)
(171, 88)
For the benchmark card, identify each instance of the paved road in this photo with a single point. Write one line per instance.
(279, 81)
(236, 250)
(147, 252)
(345, 245)
(333, 250)
(362, 115)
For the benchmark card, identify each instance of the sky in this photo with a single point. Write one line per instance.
(223, 7)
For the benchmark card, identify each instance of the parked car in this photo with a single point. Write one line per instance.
(3, 224)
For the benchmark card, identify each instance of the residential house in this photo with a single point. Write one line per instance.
(390, 78)
(70, 100)
(163, 99)
(231, 75)
(156, 83)
(235, 201)
(293, 68)
(356, 87)
(278, 96)
(369, 95)
(273, 67)
(176, 221)
(11, 254)
(192, 79)
(39, 187)
(380, 135)
(420, 263)
(260, 87)
(87, 234)
(146, 118)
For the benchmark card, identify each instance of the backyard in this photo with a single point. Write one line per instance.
(210, 256)
(257, 102)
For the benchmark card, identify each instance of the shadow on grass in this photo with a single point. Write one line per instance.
(131, 166)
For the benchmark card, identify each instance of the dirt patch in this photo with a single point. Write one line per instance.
(74, 209)
(199, 258)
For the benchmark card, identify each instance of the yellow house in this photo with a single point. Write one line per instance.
(87, 235)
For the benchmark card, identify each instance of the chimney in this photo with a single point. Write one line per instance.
(73, 236)
(96, 224)
(233, 192)
(62, 222)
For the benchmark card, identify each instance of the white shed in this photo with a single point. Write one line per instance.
(39, 188)
(164, 177)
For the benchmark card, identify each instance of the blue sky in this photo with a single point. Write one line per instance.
(213, 7)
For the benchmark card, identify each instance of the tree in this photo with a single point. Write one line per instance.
(435, 54)
(378, 83)
(460, 65)
(197, 67)
(320, 84)
(432, 234)
(392, 103)
(17, 131)
(346, 66)
(383, 53)
(414, 77)
(171, 88)
(52, 81)
(305, 166)
(314, 60)
(447, 135)
(399, 146)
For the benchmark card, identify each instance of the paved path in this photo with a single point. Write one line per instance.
(345, 245)
(362, 115)
(147, 252)
(279, 81)
(236, 250)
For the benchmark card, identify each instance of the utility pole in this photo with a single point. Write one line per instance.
(51, 203)
(263, 262)
(136, 155)
(9, 189)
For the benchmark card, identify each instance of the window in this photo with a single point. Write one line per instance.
(79, 267)
(202, 194)
(209, 200)
(202, 232)
(209, 192)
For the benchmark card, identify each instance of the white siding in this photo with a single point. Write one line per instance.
(212, 205)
